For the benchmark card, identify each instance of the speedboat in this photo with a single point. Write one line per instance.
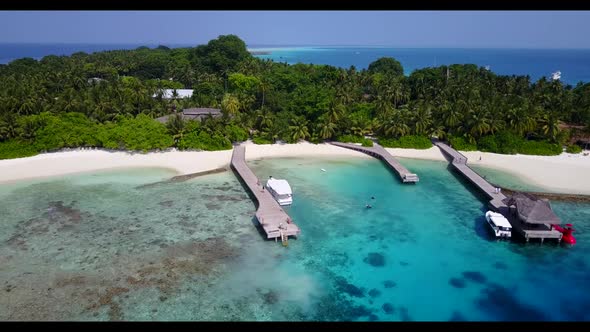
(280, 190)
(556, 76)
(499, 224)
(567, 236)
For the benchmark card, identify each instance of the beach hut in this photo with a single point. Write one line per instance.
(531, 210)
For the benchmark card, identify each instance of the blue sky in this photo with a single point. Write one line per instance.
(526, 29)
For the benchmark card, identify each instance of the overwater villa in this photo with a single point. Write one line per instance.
(533, 216)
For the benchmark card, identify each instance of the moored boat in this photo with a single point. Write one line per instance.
(499, 224)
(567, 231)
(280, 190)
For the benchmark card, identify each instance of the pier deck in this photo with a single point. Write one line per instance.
(273, 219)
(459, 162)
(378, 151)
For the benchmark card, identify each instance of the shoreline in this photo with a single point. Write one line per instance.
(556, 174)
(562, 174)
(181, 162)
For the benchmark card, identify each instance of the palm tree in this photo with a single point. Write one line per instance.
(326, 128)
(514, 119)
(550, 125)
(230, 104)
(272, 133)
(335, 112)
(26, 107)
(9, 127)
(264, 86)
(264, 119)
(422, 119)
(439, 132)
(176, 126)
(383, 104)
(360, 127)
(298, 129)
(246, 101)
(394, 125)
(478, 122)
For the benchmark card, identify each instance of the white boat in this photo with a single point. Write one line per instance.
(280, 190)
(499, 224)
(556, 76)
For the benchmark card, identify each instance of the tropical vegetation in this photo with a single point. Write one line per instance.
(110, 100)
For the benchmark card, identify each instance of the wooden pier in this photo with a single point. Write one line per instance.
(379, 152)
(459, 162)
(273, 219)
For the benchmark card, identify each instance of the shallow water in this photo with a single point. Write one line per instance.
(105, 246)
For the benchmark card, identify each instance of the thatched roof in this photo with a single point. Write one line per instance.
(193, 114)
(201, 111)
(531, 209)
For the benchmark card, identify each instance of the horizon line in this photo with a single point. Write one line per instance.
(256, 46)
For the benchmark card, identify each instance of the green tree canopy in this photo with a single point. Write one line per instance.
(386, 65)
(223, 53)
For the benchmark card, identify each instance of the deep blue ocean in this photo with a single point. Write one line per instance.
(574, 64)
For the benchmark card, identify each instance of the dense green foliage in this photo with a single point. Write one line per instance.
(459, 143)
(355, 139)
(506, 142)
(350, 139)
(574, 148)
(388, 66)
(261, 140)
(367, 143)
(69, 130)
(140, 133)
(201, 140)
(109, 99)
(407, 142)
(16, 149)
(541, 148)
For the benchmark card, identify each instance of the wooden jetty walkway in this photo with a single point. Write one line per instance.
(273, 219)
(379, 152)
(459, 162)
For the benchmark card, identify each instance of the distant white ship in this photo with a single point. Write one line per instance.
(488, 67)
(556, 76)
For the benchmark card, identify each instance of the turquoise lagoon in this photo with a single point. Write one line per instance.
(129, 245)
(535, 63)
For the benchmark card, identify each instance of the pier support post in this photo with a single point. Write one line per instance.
(542, 240)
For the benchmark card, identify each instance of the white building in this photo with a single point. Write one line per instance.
(180, 93)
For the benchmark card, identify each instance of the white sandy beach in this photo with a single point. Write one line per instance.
(183, 162)
(565, 173)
